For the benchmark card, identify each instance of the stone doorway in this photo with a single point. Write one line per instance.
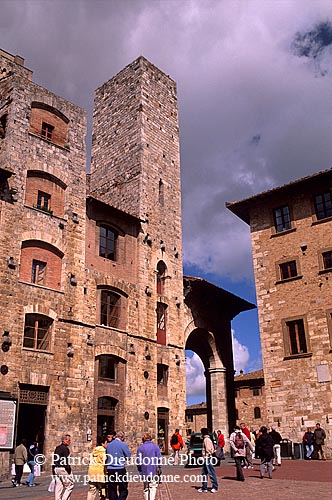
(32, 411)
(163, 421)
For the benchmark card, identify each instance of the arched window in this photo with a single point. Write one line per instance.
(257, 412)
(37, 332)
(45, 192)
(49, 123)
(107, 242)
(41, 264)
(161, 323)
(161, 274)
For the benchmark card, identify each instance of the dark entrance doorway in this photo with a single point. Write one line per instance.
(163, 429)
(32, 414)
(107, 407)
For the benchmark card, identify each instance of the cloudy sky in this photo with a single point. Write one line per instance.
(254, 87)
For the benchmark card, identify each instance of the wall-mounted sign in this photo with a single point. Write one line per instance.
(8, 414)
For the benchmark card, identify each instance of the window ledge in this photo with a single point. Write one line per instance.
(282, 233)
(50, 142)
(287, 280)
(46, 213)
(321, 221)
(324, 271)
(39, 351)
(297, 356)
(40, 286)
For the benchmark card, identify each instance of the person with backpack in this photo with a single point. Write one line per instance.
(177, 444)
(238, 441)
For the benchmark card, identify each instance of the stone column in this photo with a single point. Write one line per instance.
(218, 399)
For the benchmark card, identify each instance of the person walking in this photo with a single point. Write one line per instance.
(264, 447)
(149, 466)
(208, 468)
(238, 441)
(117, 452)
(308, 440)
(276, 446)
(177, 444)
(32, 452)
(319, 442)
(221, 444)
(96, 471)
(64, 481)
(20, 458)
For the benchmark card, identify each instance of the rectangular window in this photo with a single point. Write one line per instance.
(296, 337)
(38, 272)
(107, 241)
(43, 201)
(282, 219)
(256, 391)
(110, 309)
(327, 260)
(162, 373)
(107, 367)
(288, 270)
(323, 205)
(37, 332)
(161, 323)
(47, 131)
(189, 418)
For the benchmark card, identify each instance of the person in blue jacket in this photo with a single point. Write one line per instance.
(149, 466)
(117, 453)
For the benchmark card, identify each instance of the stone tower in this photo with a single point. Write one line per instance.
(136, 169)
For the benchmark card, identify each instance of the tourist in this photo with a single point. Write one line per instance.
(177, 444)
(32, 452)
(208, 468)
(264, 447)
(238, 441)
(319, 442)
(20, 458)
(149, 466)
(221, 444)
(64, 481)
(308, 440)
(276, 446)
(96, 471)
(117, 452)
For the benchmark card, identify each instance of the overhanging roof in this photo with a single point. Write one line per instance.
(241, 208)
(230, 304)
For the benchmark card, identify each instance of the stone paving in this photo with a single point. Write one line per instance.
(294, 480)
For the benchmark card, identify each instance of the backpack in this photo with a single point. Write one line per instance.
(174, 439)
(238, 440)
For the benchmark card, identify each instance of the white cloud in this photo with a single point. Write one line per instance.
(195, 376)
(240, 355)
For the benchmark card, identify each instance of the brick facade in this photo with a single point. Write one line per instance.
(290, 231)
(91, 275)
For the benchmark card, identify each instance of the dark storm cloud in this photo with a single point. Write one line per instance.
(253, 114)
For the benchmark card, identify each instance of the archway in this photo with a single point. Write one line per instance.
(208, 314)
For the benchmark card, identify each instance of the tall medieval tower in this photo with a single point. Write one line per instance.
(136, 169)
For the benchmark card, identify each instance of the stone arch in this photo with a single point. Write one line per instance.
(208, 313)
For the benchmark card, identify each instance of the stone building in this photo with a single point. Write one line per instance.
(95, 321)
(250, 399)
(292, 253)
(196, 418)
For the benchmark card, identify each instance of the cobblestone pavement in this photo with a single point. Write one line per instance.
(294, 480)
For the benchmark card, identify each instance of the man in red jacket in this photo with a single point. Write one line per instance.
(177, 444)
